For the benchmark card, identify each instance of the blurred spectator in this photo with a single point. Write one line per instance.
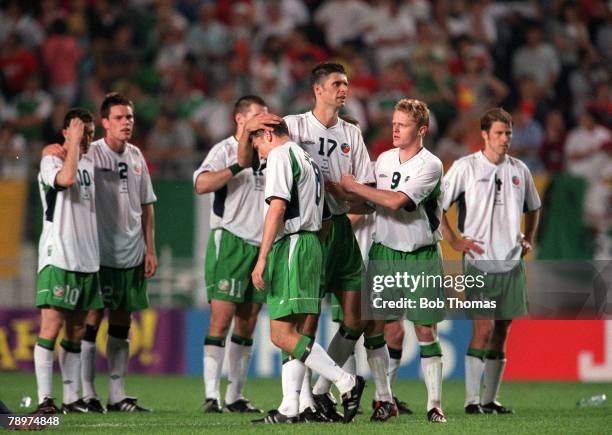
(292, 10)
(531, 100)
(13, 19)
(270, 74)
(582, 81)
(342, 21)
(301, 54)
(393, 86)
(209, 39)
(17, 63)
(14, 158)
(61, 56)
(527, 139)
(584, 146)
(452, 144)
(570, 35)
(537, 59)
(172, 50)
(601, 103)
(277, 24)
(213, 121)
(553, 147)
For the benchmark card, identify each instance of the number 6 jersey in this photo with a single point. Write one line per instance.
(69, 238)
(124, 186)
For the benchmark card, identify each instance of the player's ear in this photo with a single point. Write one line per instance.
(484, 135)
(105, 123)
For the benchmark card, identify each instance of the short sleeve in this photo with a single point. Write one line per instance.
(419, 186)
(532, 199)
(454, 186)
(215, 160)
(147, 196)
(362, 166)
(279, 175)
(49, 167)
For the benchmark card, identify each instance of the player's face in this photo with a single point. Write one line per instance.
(88, 134)
(333, 91)
(406, 132)
(498, 138)
(120, 123)
(262, 144)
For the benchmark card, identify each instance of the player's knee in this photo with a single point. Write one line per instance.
(94, 318)
(244, 327)
(394, 333)
(425, 333)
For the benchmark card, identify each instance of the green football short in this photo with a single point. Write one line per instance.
(342, 258)
(229, 263)
(76, 291)
(429, 304)
(507, 289)
(124, 289)
(293, 276)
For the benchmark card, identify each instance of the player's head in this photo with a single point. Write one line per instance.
(88, 129)
(265, 140)
(410, 122)
(329, 84)
(245, 108)
(117, 112)
(496, 130)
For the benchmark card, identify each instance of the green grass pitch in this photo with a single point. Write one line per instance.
(541, 407)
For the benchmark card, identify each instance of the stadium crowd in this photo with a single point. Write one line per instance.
(184, 63)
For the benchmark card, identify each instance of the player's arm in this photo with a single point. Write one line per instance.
(66, 176)
(211, 181)
(385, 198)
(148, 229)
(532, 220)
(458, 243)
(272, 223)
(257, 122)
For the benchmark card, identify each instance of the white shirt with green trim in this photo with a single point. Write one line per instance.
(237, 206)
(419, 178)
(124, 186)
(69, 238)
(337, 150)
(295, 177)
(491, 200)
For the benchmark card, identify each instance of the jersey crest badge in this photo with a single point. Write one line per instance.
(515, 180)
(345, 148)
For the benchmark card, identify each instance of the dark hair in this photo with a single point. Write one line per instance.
(322, 70)
(280, 129)
(76, 112)
(114, 99)
(243, 103)
(492, 115)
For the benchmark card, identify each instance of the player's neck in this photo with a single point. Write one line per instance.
(326, 115)
(493, 157)
(410, 151)
(117, 146)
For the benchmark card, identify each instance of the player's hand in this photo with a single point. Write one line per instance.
(468, 246)
(526, 247)
(261, 121)
(75, 131)
(347, 181)
(56, 150)
(150, 265)
(257, 275)
(337, 191)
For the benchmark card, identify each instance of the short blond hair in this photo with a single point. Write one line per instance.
(416, 108)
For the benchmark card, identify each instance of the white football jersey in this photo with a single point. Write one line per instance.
(491, 200)
(364, 230)
(295, 177)
(237, 206)
(124, 186)
(69, 238)
(420, 178)
(337, 150)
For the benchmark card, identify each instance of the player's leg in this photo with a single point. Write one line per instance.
(378, 360)
(475, 364)
(431, 366)
(239, 352)
(495, 363)
(221, 315)
(394, 336)
(51, 321)
(117, 354)
(88, 360)
(308, 327)
(70, 361)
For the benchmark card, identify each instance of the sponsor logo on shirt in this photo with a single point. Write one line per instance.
(345, 148)
(485, 180)
(407, 178)
(382, 175)
(515, 180)
(307, 141)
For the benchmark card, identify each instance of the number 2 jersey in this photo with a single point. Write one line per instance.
(337, 150)
(123, 187)
(69, 238)
(295, 177)
(419, 178)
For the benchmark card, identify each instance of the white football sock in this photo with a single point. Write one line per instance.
(88, 369)
(350, 366)
(320, 362)
(239, 358)
(394, 365)
(493, 373)
(306, 399)
(43, 367)
(339, 350)
(474, 367)
(432, 374)
(70, 367)
(213, 363)
(378, 360)
(117, 352)
(292, 379)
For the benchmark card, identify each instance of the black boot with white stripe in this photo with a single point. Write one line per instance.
(127, 405)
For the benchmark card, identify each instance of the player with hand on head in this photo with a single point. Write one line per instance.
(408, 212)
(68, 261)
(493, 190)
(231, 255)
(289, 269)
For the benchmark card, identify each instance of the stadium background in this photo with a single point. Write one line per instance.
(185, 62)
